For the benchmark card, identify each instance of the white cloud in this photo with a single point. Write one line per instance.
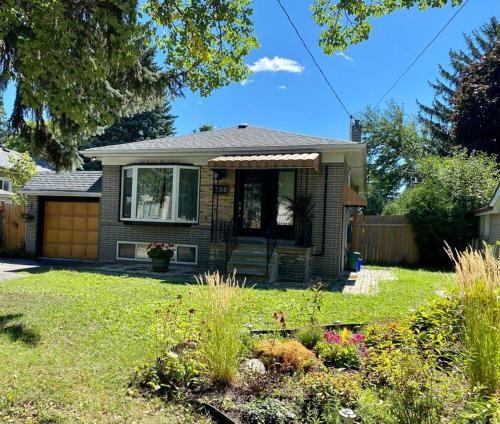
(246, 82)
(342, 54)
(281, 87)
(276, 64)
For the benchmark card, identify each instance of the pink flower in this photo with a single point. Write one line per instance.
(357, 338)
(331, 337)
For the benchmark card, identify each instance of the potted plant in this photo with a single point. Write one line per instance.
(160, 254)
(301, 208)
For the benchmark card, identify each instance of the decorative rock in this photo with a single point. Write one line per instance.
(252, 366)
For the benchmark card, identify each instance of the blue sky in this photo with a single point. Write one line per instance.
(297, 99)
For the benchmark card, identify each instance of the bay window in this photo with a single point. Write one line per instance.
(160, 193)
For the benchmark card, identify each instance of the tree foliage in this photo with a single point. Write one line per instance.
(77, 64)
(22, 169)
(394, 143)
(439, 116)
(347, 22)
(441, 206)
(144, 126)
(476, 102)
(204, 127)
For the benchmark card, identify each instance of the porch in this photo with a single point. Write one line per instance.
(278, 217)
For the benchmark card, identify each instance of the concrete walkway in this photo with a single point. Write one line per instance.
(14, 268)
(365, 282)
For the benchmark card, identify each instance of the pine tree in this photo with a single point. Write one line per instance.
(437, 118)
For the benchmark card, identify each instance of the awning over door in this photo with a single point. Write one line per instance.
(291, 160)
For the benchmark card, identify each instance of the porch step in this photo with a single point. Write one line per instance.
(249, 259)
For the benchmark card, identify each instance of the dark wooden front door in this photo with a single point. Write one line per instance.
(256, 202)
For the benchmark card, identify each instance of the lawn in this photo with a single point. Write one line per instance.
(69, 341)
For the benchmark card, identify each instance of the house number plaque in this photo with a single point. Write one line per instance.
(221, 189)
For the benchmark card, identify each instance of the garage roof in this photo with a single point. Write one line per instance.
(78, 183)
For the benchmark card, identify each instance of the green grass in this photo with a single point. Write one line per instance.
(69, 341)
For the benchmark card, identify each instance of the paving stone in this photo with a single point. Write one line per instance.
(364, 282)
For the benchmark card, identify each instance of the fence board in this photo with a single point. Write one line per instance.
(384, 238)
(14, 227)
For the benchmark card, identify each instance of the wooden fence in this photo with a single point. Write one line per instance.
(12, 226)
(384, 238)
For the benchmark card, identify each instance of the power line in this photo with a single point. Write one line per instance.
(314, 59)
(422, 52)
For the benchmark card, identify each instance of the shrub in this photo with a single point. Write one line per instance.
(374, 410)
(285, 355)
(342, 350)
(439, 329)
(268, 411)
(310, 335)
(221, 341)
(169, 375)
(325, 393)
(478, 275)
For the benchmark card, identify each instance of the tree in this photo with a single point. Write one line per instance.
(476, 102)
(438, 117)
(394, 143)
(347, 22)
(441, 206)
(22, 169)
(3, 124)
(204, 127)
(144, 126)
(77, 65)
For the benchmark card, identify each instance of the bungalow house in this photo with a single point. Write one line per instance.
(489, 219)
(271, 204)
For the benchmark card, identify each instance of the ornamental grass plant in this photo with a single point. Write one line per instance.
(478, 276)
(221, 341)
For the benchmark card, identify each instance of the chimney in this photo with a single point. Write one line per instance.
(356, 131)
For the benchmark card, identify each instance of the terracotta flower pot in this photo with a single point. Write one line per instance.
(160, 265)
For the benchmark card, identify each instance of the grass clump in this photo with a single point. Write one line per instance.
(221, 342)
(478, 276)
(285, 355)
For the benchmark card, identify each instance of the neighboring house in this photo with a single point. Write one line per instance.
(5, 164)
(489, 219)
(221, 196)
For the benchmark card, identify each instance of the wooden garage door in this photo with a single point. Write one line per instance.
(70, 230)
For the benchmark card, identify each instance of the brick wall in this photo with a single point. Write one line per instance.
(112, 230)
(31, 227)
(327, 263)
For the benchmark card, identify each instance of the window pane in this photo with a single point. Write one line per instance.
(186, 254)
(154, 193)
(6, 185)
(126, 250)
(127, 193)
(286, 192)
(188, 194)
(142, 251)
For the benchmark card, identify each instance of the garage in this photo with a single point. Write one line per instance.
(70, 229)
(65, 207)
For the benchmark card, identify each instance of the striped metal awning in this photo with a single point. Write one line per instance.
(290, 160)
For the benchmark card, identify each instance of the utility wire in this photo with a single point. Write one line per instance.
(421, 53)
(314, 59)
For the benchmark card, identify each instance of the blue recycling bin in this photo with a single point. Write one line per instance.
(358, 265)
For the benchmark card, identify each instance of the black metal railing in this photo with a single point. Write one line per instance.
(271, 243)
(224, 232)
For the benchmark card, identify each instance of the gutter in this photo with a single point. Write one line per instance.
(223, 151)
(60, 193)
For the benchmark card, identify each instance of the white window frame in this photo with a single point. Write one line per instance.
(176, 170)
(173, 260)
(6, 180)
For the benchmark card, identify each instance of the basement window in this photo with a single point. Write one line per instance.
(184, 254)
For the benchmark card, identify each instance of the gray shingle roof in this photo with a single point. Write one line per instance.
(5, 163)
(251, 138)
(77, 182)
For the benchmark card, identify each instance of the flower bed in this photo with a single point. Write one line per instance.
(410, 371)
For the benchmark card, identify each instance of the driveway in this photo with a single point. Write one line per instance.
(14, 268)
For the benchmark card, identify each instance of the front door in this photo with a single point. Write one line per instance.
(256, 202)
